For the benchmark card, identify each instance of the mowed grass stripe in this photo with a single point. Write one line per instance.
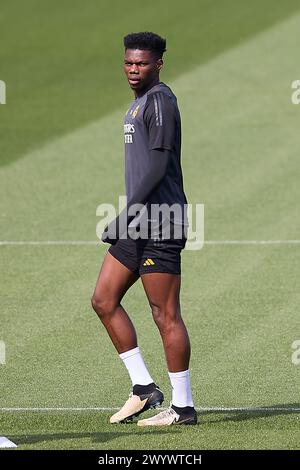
(78, 77)
(239, 151)
(241, 143)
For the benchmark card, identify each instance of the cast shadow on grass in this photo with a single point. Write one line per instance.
(96, 437)
(255, 413)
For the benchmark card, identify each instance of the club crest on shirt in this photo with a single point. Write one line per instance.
(134, 112)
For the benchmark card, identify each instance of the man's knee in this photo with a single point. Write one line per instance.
(103, 306)
(165, 316)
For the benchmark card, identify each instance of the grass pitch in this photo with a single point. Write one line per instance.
(61, 151)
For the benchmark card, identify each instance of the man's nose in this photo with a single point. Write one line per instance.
(134, 69)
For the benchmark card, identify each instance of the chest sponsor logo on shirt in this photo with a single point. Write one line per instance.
(128, 131)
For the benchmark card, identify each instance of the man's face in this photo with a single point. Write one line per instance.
(141, 68)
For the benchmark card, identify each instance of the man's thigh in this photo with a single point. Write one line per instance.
(114, 279)
(162, 289)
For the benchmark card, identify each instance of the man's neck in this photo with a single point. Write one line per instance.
(140, 93)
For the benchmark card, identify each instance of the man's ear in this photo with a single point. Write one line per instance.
(159, 64)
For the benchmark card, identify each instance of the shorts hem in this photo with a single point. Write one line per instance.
(121, 260)
(159, 270)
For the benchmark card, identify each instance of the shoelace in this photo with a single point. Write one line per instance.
(169, 412)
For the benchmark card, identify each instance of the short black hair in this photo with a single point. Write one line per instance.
(146, 41)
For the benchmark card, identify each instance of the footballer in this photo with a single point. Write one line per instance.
(147, 246)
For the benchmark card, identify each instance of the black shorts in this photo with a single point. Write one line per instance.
(149, 256)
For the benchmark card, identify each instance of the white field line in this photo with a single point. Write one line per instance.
(201, 408)
(252, 242)
(47, 242)
(95, 243)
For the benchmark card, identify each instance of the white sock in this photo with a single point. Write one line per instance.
(181, 389)
(135, 365)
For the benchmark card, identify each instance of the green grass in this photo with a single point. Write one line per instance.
(62, 156)
(62, 62)
(91, 431)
